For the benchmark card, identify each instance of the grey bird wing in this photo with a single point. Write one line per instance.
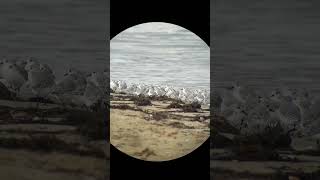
(291, 112)
(41, 80)
(65, 86)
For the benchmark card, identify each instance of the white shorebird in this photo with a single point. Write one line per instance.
(99, 79)
(241, 93)
(122, 86)
(258, 117)
(217, 101)
(304, 105)
(150, 91)
(200, 96)
(131, 89)
(183, 94)
(227, 99)
(312, 122)
(2, 65)
(26, 92)
(235, 115)
(70, 88)
(113, 85)
(288, 113)
(93, 94)
(141, 89)
(118, 86)
(12, 76)
(21, 63)
(159, 91)
(32, 63)
(315, 108)
(46, 68)
(41, 80)
(171, 92)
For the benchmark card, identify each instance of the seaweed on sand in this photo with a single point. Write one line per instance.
(141, 100)
(220, 124)
(40, 100)
(200, 118)
(5, 113)
(159, 115)
(93, 125)
(193, 107)
(261, 146)
(146, 153)
(48, 143)
(165, 98)
(125, 107)
(255, 152)
(5, 94)
(180, 125)
(43, 143)
(174, 104)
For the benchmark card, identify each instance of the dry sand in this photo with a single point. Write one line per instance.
(52, 148)
(28, 165)
(299, 161)
(139, 133)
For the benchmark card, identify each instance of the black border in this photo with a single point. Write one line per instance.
(194, 16)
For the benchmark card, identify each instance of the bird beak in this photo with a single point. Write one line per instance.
(230, 87)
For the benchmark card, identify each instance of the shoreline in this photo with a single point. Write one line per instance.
(187, 95)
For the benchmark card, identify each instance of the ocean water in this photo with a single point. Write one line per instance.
(160, 53)
(266, 43)
(60, 33)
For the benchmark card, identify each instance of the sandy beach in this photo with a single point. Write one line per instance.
(237, 157)
(51, 142)
(154, 132)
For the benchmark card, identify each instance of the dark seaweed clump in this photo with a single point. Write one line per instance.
(193, 107)
(141, 101)
(41, 100)
(180, 125)
(159, 115)
(174, 105)
(125, 107)
(93, 125)
(43, 143)
(48, 143)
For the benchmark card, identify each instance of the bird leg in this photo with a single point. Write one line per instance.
(38, 107)
(291, 130)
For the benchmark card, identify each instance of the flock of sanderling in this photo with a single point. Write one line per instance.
(250, 111)
(253, 111)
(29, 78)
(187, 95)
